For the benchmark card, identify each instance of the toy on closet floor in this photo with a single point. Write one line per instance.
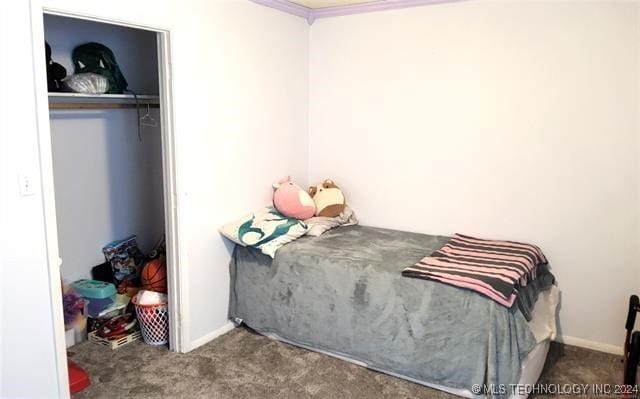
(154, 272)
(98, 295)
(129, 288)
(115, 327)
(78, 378)
(154, 275)
(292, 201)
(118, 327)
(75, 322)
(126, 260)
(72, 306)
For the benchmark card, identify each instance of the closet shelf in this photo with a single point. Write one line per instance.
(61, 101)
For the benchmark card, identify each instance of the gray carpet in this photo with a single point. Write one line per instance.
(242, 364)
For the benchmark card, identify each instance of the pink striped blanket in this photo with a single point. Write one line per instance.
(492, 268)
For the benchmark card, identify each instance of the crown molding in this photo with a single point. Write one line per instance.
(379, 5)
(288, 7)
(311, 14)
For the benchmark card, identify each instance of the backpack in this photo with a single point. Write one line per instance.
(55, 72)
(98, 58)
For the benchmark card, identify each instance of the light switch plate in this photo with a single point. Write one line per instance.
(26, 185)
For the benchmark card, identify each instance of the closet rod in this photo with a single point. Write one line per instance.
(97, 105)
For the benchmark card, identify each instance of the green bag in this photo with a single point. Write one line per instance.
(98, 58)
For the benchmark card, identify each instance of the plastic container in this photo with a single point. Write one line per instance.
(80, 330)
(94, 288)
(99, 295)
(70, 337)
(154, 322)
(78, 378)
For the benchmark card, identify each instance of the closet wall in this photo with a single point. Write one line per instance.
(108, 184)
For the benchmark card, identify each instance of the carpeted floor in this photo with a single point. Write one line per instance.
(242, 364)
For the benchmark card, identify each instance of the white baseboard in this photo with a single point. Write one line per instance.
(212, 335)
(568, 340)
(585, 343)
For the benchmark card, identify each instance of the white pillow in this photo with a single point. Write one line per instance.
(266, 229)
(320, 224)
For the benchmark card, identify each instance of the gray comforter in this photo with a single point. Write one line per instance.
(342, 293)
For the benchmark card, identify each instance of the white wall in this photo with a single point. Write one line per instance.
(240, 85)
(108, 184)
(501, 119)
(27, 356)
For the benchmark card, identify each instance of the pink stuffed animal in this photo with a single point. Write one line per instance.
(292, 201)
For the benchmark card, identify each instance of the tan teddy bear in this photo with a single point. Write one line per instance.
(328, 198)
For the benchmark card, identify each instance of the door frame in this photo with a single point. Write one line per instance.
(176, 277)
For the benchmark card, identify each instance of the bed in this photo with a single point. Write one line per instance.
(342, 294)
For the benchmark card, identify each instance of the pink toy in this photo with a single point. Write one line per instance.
(292, 201)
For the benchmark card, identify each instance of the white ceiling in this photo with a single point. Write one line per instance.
(328, 3)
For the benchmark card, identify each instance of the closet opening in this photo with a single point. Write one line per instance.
(108, 168)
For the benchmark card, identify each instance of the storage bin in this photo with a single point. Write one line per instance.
(99, 295)
(70, 337)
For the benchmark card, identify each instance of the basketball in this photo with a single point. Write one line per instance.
(154, 275)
